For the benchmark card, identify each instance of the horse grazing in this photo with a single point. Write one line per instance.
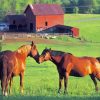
(69, 65)
(12, 63)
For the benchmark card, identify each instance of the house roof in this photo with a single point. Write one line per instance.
(46, 9)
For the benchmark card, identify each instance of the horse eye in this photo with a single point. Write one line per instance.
(43, 55)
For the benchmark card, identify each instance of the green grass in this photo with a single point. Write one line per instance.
(41, 80)
(89, 25)
(50, 98)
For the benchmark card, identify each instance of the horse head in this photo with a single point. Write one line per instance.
(45, 55)
(29, 50)
(34, 52)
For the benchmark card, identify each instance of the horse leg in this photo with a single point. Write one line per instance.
(69, 67)
(3, 80)
(66, 82)
(94, 81)
(21, 82)
(7, 82)
(2, 86)
(3, 83)
(10, 85)
(60, 83)
(98, 76)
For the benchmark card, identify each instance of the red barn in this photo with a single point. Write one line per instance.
(42, 16)
(47, 18)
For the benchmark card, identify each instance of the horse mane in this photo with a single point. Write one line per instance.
(22, 49)
(57, 53)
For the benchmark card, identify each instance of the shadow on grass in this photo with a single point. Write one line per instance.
(50, 98)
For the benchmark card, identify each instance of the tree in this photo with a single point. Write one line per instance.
(96, 7)
(76, 10)
(66, 6)
(73, 6)
(86, 6)
(57, 1)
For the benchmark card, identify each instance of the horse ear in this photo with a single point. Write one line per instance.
(32, 43)
(45, 47)
(50, 49)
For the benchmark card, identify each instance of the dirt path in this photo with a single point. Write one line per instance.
(36, 40)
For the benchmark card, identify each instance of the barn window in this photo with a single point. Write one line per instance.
(46, 23)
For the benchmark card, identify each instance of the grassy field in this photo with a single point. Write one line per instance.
(89, 25)
(41, 80)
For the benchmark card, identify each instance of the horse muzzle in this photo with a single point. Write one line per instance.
(40, 60)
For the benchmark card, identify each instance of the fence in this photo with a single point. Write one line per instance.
(5, 36)
(16, 35)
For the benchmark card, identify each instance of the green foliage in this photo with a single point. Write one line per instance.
(87, 6)
(96, 7)
(76, 10)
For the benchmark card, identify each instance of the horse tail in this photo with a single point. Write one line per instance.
(97, 69)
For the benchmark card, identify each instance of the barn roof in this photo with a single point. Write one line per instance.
(46, 9)
(18, 18)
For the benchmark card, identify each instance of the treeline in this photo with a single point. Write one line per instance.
(81, 6)
(69, 6)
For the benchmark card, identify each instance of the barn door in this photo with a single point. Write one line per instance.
(31, 26)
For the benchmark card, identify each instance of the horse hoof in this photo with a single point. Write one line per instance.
(65, 92)
(22, 92)
(5, 94)
(97, 89)
(59, 92)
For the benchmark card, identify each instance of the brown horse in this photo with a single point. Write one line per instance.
(69, 65)
(12, 63)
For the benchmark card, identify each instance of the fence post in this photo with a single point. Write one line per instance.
(1, 40)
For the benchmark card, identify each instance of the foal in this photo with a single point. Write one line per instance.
(12, 63)
(69, 65)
